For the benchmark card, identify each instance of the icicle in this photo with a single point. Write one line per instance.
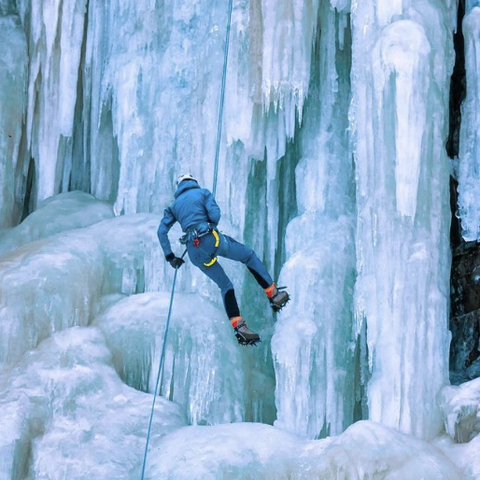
(13, 76)
(469, 155)
(402, 171)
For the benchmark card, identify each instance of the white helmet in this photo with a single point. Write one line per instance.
(187, 176)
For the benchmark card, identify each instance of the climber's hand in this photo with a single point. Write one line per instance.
(175, 262)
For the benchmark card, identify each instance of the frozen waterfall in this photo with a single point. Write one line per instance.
(333, 168)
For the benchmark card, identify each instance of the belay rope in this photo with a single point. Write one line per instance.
(222, 98)
(214, 191)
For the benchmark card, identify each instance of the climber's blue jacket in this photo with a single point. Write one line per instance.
(192, 207)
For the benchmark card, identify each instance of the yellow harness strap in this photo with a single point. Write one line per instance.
(209, 264)
(217, 238)
(217, 243)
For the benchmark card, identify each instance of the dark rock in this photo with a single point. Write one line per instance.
(465, 344)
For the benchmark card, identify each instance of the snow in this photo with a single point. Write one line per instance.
(461, 411)
(464, 455)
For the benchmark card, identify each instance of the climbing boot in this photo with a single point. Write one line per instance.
(277, 296)
(244, 335)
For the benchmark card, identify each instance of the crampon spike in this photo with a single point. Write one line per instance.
(276, 309)
(245, 342)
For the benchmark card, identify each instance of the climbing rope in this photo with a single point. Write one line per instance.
(160, 368)
(214, 190)
(222, 98)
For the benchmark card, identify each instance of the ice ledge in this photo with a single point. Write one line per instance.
(461, 408)
(366, 450)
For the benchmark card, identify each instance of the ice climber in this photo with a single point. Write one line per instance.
(197, 212)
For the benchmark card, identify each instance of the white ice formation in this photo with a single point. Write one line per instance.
(54, 215)
(469, 165)
(332, 167)
(67, 414)
(461, 410)
(400, 73)
(364, 451)
(202, 371)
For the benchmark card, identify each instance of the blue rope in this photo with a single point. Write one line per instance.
(222, 98)
(214, 190)
(160, 367)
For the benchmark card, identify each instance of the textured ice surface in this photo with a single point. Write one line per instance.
(401, 71)
(461, 410)
(469, 155)
(365, 451)
(313, 344)
(56, 214)
(464, 456)
(123, 96)
(12, 104)
(65, 413)
(56, 282)
(203, 370)
(55, 41)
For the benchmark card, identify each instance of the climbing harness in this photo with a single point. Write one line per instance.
(197, 233)
(217, 239)
(212, 256)
(196, 243)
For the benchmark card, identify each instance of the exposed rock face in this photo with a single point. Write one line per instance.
(465, 276)
(465, 303)
(465, 312)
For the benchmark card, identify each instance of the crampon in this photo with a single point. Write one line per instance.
(245, 336)
(279, 299)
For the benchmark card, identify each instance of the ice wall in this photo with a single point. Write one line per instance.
(203, 371)
(122, 96)
(401, 68)
(469, 154)
(314, 343)
(13, 73)
(55, 32)
(131, 82)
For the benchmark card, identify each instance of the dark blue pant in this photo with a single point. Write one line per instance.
(204, 256)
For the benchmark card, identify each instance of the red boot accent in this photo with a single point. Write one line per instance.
(235, 321)
(271, 290)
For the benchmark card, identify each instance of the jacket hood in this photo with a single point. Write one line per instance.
(184, 186)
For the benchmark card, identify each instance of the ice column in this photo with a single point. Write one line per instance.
(469, 155)
(313, 343)
(12, 105)
(55, 40)
(402, 61)
(153, 77)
